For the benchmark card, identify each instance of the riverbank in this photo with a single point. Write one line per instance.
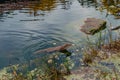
(102, 64)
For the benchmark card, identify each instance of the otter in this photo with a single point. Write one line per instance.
(62, 48)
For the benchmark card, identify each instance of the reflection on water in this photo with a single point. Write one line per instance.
(88, 3)
(26, 27)
(34, 7)
(112, 7)
(43, 5)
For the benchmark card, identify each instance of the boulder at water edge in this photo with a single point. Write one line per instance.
(93, 25)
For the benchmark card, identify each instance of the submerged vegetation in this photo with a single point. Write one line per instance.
(44, 69)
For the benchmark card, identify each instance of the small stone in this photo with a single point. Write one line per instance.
(77, 50)
(73, 44)
(56, 56)
(82, 49)
(115, 28)
(50, 61)
(54, 43)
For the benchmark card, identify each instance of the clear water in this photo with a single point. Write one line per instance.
(43, 25)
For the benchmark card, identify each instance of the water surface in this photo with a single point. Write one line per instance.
(45, 24)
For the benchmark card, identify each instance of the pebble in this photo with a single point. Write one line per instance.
(50, 61)
(54, 43)
(77, 50)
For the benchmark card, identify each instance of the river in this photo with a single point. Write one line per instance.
(44, 24)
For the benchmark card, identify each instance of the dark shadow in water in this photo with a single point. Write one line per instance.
(66, 52)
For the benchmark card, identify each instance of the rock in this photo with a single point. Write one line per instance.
(93, 25)
(117, 17)
(118, 5)
(31, 20)
(115, 28)
(61, 48)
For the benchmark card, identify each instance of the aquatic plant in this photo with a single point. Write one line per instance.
(47, 68)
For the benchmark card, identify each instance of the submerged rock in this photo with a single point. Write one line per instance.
(93, 25)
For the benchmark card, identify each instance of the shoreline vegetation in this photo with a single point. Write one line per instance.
(99, 61)
(102, 64)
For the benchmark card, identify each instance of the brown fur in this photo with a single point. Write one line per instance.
(52, 49)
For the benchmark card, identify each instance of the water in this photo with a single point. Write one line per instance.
(42, 25)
